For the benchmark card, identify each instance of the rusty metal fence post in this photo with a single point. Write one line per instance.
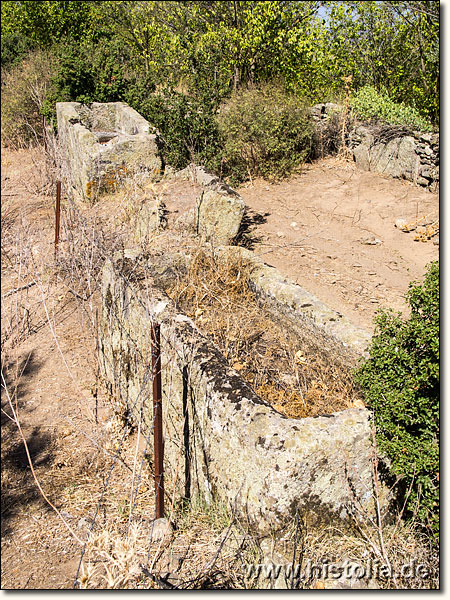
(57, 214)
(157, 421)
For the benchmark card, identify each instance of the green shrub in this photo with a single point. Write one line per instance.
(266, 131)
(86, 73)
(188, 128)
(14, 49)
(400, 381)
(369, 104)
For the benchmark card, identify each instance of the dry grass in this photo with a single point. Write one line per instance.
(404, 547)
(291, 375)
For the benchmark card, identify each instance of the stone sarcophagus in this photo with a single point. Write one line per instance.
(102, 144)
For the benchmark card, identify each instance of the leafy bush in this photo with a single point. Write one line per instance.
(87, 72)
(188, 129)
(266, 131)
(24, 91)
(14, 49)
(369, 104)
(401, 384)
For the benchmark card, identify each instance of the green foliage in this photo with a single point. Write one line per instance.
(400, 381)
(14, 49)
(266, 131)
(88, 72)
(369, 104)
(188, 129)
(47, 21)
(148, 30)
(388, 44)
(125, 49)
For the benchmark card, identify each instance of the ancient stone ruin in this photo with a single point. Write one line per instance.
(222, 440)
(389, 150)
(103, 143)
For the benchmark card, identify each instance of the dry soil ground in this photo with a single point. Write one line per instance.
(315, 228)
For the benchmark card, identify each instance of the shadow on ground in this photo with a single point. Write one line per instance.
(18, 488)
(246, 236)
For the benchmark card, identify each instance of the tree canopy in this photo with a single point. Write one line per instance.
(211, 48)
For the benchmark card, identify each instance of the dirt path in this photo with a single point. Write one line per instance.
(49, 375)
(332, 231)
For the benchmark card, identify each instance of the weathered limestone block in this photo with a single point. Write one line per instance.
(396, 158)
(197, 174)
(216, 217)
(219, 215)
(413, 157)
(221, 439)
(361, 152)
(219, 210)
(150, 219)
(103, 144)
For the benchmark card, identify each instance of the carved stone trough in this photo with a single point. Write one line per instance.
(103, 143)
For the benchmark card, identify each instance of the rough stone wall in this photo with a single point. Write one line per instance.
(102, 144)
(389, 150)
(221, 439)
(413, 157)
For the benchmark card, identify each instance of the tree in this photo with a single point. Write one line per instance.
(45, 21)
(391, 45)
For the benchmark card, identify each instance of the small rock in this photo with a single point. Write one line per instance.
(280, 234)
(66, 515)
(370, 240)
(161, 529)
(436, 241)
(401, 224)
(84, 522)
(293, 225)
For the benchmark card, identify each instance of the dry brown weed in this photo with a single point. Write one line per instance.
(293, 377)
